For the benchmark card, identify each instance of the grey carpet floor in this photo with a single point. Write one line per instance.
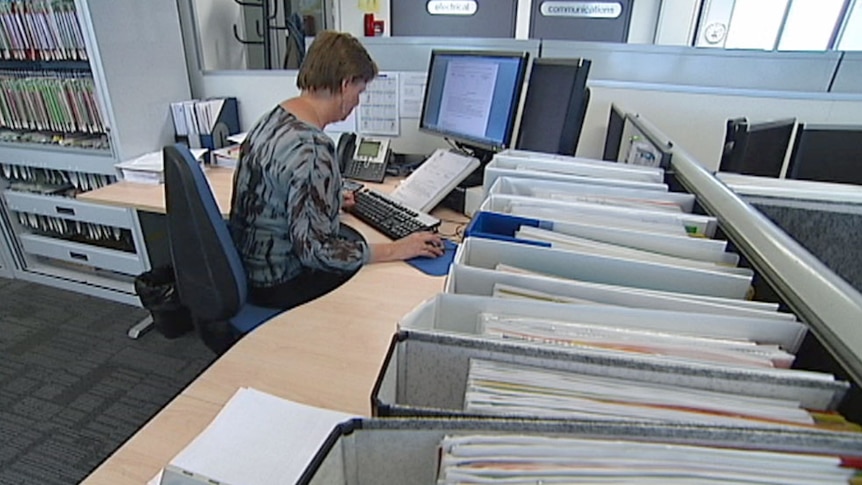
(73, 386)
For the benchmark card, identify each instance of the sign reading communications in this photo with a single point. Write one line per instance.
(452, 7)
(593, 10)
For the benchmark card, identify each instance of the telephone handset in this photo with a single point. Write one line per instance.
(363, 158)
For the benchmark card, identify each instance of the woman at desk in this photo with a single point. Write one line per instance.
(287, 196)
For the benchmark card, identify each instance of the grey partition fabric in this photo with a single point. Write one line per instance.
(588, 21)
(453, 18)
(689, 66)
(830, 231)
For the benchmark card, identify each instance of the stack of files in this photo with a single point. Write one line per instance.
(205, 123)
(50, 101)
(385, 451)
(256, 439)
(576, 170)
(427, 373)
(40, 30)
(226, 156)
(506, 389)
(149, 168)
(608, 335)
(514, 458)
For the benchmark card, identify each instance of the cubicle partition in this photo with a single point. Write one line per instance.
(789, 274)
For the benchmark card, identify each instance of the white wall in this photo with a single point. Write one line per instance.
(215, 22)
(676, 22)
(696, 120)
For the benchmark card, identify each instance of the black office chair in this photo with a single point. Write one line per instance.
(209, 273)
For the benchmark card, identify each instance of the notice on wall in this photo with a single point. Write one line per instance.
(378, 106)
(369, 6)
(411, 94)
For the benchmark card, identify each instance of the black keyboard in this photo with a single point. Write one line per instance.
(389, 216)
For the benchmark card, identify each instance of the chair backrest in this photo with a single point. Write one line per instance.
(209, 272)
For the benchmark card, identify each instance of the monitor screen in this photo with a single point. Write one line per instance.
(472, 97)
(614, 133)
(554, 106)
(828, 154)
(756, 148)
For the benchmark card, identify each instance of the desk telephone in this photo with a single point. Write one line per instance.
(365, 159)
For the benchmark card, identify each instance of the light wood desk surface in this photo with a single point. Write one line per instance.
(325, 353)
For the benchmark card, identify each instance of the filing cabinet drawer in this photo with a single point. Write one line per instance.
(66, 208)
(118, 261)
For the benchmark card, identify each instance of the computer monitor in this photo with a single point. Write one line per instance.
(827, 154)
(756, 148)
(471, 98)
(614, 133)
(555, 106)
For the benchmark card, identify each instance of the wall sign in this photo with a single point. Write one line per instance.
(594, 10)
(452, 7)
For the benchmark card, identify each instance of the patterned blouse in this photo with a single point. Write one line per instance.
(286, 201)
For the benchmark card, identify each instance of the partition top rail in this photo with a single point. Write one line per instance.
(827, 303)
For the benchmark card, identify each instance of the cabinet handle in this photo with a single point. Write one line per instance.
(80, 256)
(65, 210)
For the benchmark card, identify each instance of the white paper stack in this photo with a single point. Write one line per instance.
(522, 459)
(149, 168)
(256, 439)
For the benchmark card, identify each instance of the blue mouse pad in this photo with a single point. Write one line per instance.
(435, 266)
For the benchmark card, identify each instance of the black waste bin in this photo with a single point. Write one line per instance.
(158, 293)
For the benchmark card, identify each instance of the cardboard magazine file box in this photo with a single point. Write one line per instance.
(425, 373)
(503, 226)
(579, 166)
(468, 280)
(460, 314)
(603, 215)
(515, 157)
(387, 451)
(565, 263)
(493, 173)
(587, 191)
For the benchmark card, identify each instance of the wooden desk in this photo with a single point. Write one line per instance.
(325, 353)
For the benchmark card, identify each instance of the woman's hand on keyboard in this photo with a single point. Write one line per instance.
(427, 244)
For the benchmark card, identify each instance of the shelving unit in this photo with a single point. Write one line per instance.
(136, 71)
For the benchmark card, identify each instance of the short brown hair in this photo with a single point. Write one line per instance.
(332, 58)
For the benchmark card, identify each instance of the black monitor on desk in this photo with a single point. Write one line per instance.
(471, 98)
(827, 154)
(555, 106)
(756, 148)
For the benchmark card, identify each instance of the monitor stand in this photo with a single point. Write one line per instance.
(465, 198)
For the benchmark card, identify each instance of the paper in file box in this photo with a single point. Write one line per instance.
(384, 451)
